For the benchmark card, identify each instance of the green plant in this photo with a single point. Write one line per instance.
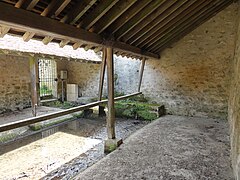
(146, 115)
(44, 90)
(7, 137)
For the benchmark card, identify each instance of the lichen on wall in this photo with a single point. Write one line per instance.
(14, 83)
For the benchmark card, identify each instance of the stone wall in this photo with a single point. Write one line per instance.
(192, 77)
(14, 83)
(86, 75)
(126, 73)
(234, 105)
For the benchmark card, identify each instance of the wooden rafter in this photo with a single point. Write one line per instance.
(47, 39)
(112, 15)
(198, 12)
(77, 45)
(63, 43)
(55, 8)
(131, 12)
(155, 15)
(171, 19)
(26, 4)
(100, 10)
(138, 18)
(187, 29)
(3, 31)
(27, 36)
(170, 14)
(75, 14)
(77, 11)
(28, 21)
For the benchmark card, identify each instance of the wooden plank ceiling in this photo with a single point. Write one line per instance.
(135, 28)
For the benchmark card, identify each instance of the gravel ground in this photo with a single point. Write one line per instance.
(170, 148)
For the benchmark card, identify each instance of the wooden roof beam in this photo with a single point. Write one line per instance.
(77, 11)
(169, 21)
(168, 6)
(77, 45)
(190, 27)
(47, 39)
(27, 36)
(170, 14)
(3, 31)
(26, 4)
(32, 22)
(63, 43)
(55, 7)
(112, 15)
(191, 16)
(131, 12)
(138, 18)
(98, 12)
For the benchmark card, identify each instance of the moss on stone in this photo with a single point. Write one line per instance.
(133, 109)
(146, 115)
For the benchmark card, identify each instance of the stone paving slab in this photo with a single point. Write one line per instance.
(172, 147)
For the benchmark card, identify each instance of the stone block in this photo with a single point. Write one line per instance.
(111, 145)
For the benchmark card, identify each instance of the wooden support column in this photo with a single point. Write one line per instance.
(141, 73)
(111, 143)
(34, 92)
(110, 83)
(102, 73)
(101, 111)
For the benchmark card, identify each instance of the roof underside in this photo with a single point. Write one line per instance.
(135, 28)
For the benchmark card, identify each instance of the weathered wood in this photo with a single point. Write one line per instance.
(113, 14)
(130, 13)
(144, 34)
(29, 4)
(98, 12)
(183, 22)
(31, 22)
(27, 36)
(102, 73)
(55, 7)
(47, 39)
(77, 11)
(141, 73)
(33, 73)
(3, 31)
(63, 43)
(188, 28)
(110, 83)
(138, 18)
(157, 14)
(25, 122)
(77, 45)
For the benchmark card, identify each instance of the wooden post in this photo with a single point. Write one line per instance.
(141, 73)
(34, 94)
(102, 73)
(110, 82)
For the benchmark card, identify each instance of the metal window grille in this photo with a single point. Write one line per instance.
(47, 78)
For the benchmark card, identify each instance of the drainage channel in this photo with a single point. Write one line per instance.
(61, 151)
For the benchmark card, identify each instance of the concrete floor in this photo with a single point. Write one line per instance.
(172, 147)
